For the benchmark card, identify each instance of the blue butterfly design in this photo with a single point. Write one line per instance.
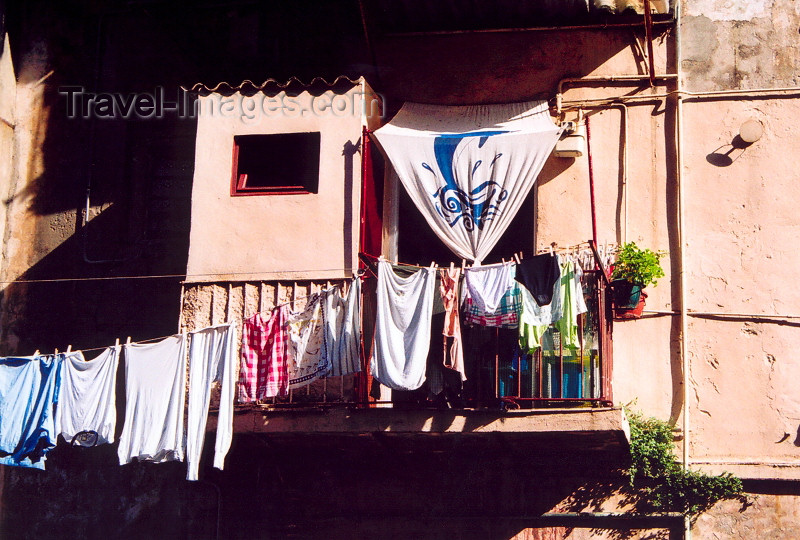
(476, 207)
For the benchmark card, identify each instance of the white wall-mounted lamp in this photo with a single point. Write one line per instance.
(751, 131)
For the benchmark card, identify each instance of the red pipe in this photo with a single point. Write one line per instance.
(591, 180)
(648, 30)
(366, 159)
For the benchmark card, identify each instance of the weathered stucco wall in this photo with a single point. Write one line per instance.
(258, 237)
(741, 222)
(739, 225)
(744, 44)
(8, 98)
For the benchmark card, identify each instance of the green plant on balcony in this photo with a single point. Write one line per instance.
(634, 269)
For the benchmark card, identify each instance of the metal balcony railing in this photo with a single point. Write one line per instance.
(498, 374)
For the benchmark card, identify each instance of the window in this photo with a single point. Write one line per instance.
(276, 164)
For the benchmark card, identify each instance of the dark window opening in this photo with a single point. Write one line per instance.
(276, 164)
(418, 244)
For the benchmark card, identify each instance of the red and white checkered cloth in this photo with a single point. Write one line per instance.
(263, 372)
(506, 316)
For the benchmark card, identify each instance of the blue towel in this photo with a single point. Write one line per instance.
(28, 393)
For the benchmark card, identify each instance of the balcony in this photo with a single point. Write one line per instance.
(552, 400)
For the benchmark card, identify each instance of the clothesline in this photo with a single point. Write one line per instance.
(553, 248)
(164, 276)
(148, 340)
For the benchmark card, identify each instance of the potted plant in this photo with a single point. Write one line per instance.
(634, 269)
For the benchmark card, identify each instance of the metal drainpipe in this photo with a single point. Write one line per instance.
(681, 236)
(687, 522)
(591, 180)
(604, 78)
(624, 120)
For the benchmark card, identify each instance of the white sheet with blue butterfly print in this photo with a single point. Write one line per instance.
(469, 168)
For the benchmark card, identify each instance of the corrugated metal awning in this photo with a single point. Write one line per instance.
(317, 86)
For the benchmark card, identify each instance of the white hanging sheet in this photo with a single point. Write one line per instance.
(469, 168)
(487, 285)
(402, 327)
(155, 381)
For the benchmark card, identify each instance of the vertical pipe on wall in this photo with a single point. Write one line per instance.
(681, 237)
(591, 180)
(687, 523)
(624, 127)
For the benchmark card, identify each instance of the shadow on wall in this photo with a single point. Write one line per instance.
(494, 67)
(321, 487)
(139, 226)
(86, 312)
(726, 154)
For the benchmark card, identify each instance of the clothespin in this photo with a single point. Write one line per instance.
(516, 258)
(56, 351)
(552, 248)
(116, 343)
(463, 264)
(69, 349)
(128, 341)
(36, 353)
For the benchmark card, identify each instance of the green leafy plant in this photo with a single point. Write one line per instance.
(638, 266)
(664, 485)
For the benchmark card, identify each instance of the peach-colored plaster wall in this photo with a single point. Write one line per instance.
(299, 236)
(740, 259)
(741, 225)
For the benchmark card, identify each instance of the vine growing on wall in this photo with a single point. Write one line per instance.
(662, 484)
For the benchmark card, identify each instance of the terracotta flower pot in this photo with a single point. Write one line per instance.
(624, 313)
(628, 299)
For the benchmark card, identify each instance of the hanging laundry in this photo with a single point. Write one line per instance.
(487, 285)
(573, 304)
(211, 358)
(506, 315)
(306, 330)
(264, 368)
(539, 275)
(450, 280)
(535, 318)
(402, 327)
(567, 303)
(28, 392)
(343, 329)
(155, 390)
(404, 270)
(87, 396)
